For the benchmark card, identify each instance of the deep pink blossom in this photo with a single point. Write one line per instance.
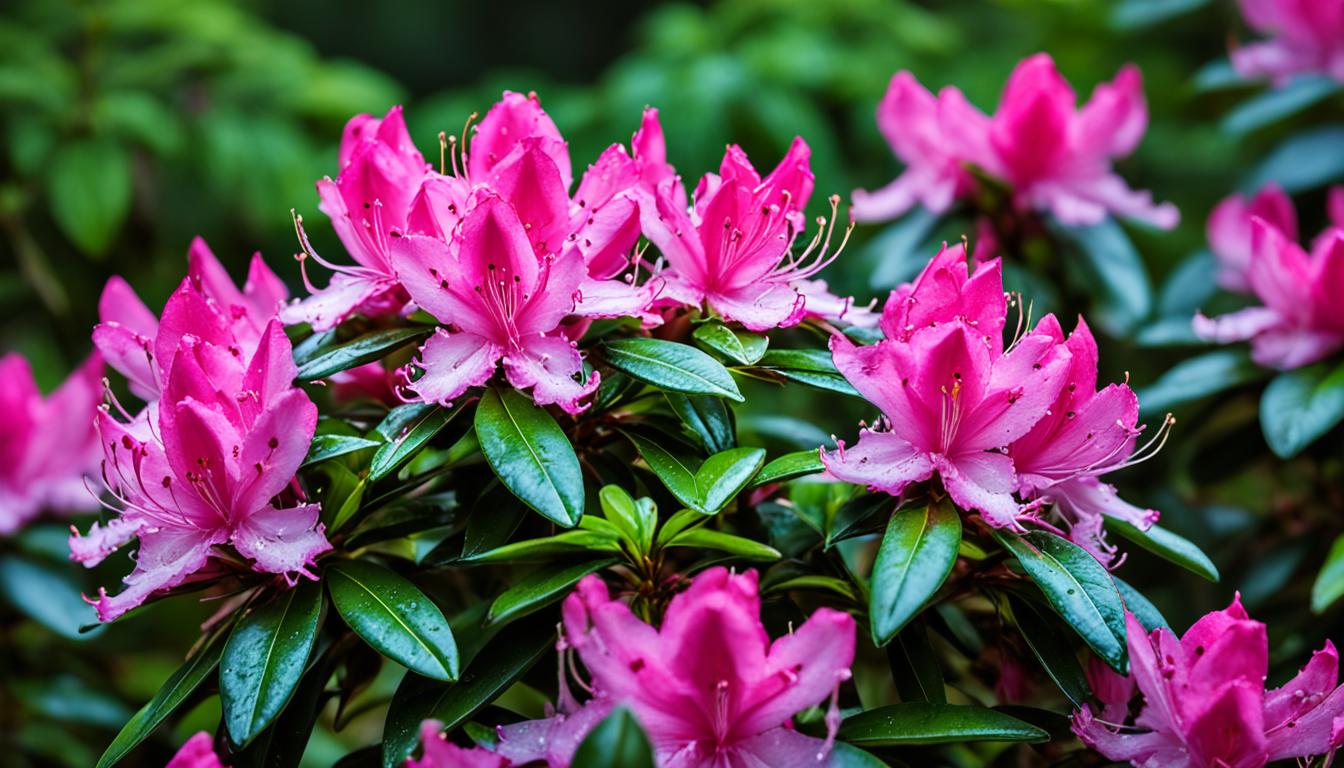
(502, 302)
(210, 464)
(1302, 319)
(1204, 703)
(47, 444)
(196, 752)
(438, 752)
(207, 305)
(380, 173)
(709, 687)
(1085, 434)
(1305, 37)
(1229, 231)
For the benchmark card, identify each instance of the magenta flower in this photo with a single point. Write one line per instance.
(1229, 231)
(503, 304)
(709, 687)
(1205, 703)
(203, 468)
(47, 444)
(438, 752)
(1085, 434)
(1302, 319)
(1306, 37)
(206, 305)
(196, 752)
(381, 172)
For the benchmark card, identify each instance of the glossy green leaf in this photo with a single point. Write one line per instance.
(48, 594)
(637, 521)
(617, 742)
(264, 659)
(861, 514)
(1142, 608)
(89, 192)
(393, 455)
(1077, 587)
(541, 588)
(1329, 585)
(1305, 161)
(741, 347)
(812, 367)
(1167, 545)
(704, 538)
(358, 351)
(530, 455)
(1300, 405)
(169, 697)
(725, 474)
(325, 447)
(707, 418)
(563, 544)
(926, 723)
(914, 666)
(788, 467)
(915, 558)
(394, 616)
(1198, 377)
(677, 471)
(671, 366)
(1050, 648)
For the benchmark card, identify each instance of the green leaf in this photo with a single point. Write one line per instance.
(1300, 405)
(671, 366)
(326, 447)
(541, 588)
(788, 467)
(637, 521)
(703, 538)
(742, 347)
(530, 455)
(1142, 608)
(858, 516)
(264, 658)
(812, 367)
(725, 474)
(394, 617)
(914, 666)
(358, 351)
(673, 469)
(393, 455)
(915, 558)
(1278, 103)
(899, 252)
(1049, 648)
(707, 418)
(1329, 585)
(89, 192)
(1137, 14)
(1198, 377)
(1077, 587)
(616, 742)
(1167, 545)
(567, 543)
(1306, 161)
(926, 723)
(47, 593)
(1124, 292)
(169, 697)
(497, 667)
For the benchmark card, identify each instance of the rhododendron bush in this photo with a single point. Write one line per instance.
(533, 455)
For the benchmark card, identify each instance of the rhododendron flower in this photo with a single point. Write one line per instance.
(951, 398)
(380, 174)
(503, 304)
(196, 752)
(438, 752)
(47, 445)
(1306, 36)
(207, 305)
(1085, 434)
(1205, 703)
(733, 248)
(203, 467)
(709, 687)
(1302, 319)
(1229, 231)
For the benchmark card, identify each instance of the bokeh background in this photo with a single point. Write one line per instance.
(132, 125)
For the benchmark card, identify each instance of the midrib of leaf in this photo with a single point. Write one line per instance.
(535, 458)
(688, 372)
(395, 616)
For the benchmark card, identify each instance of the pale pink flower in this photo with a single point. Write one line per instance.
(709, 687)
(1302, 319)
(1305, 37)
(503, 303)
(438, 752)
(203, 468)
(1229, 231)
(1205, 703)
(196, 752)
(47, 444)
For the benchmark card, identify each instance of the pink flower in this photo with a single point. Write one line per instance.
(733, 248)
(381, 172)
(1229, 231)
(207, 305)
(203, 468)
(196, 752)
(438, 752)
(709, 687)
(1306, 37)
(503, 304)
(370, 381)
(47, 445)
(1204, 699)
(1302, 319)
(1085, 434)
(951, 398)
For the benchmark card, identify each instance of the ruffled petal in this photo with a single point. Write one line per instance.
(453, 363)
(438, 752)
(166, 559)
(982, 481)
(881, 461)
(548, 365)
(760, 306)
(281, 540)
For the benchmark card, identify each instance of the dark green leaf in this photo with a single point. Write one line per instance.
(47, 593)
(1050, 648)
(565, 544)
(742, 347)
(861, 514)
(915, 558)
(1329, 585)
(1302, 162)
(788, 467)
(926, 723)
(394, 617)
(264, 658)
(675, 470)
(89, 192)
(1187, 287)
(530, 455)
(541, 588)
(616, 742)
(358, 351)
(1124, 292)
(1278, 103)
(391, 456)
(1300, 405)
(914, 666)
(812, 367)
(708, 418)
(1142, 608)
(1166, 545)
(326, 447)
(726, 473)
(703, 538)
(1198, 377)
(671, 366)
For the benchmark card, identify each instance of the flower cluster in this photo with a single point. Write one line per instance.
(1055, 157)
(1006, 430)
(1306, 37)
